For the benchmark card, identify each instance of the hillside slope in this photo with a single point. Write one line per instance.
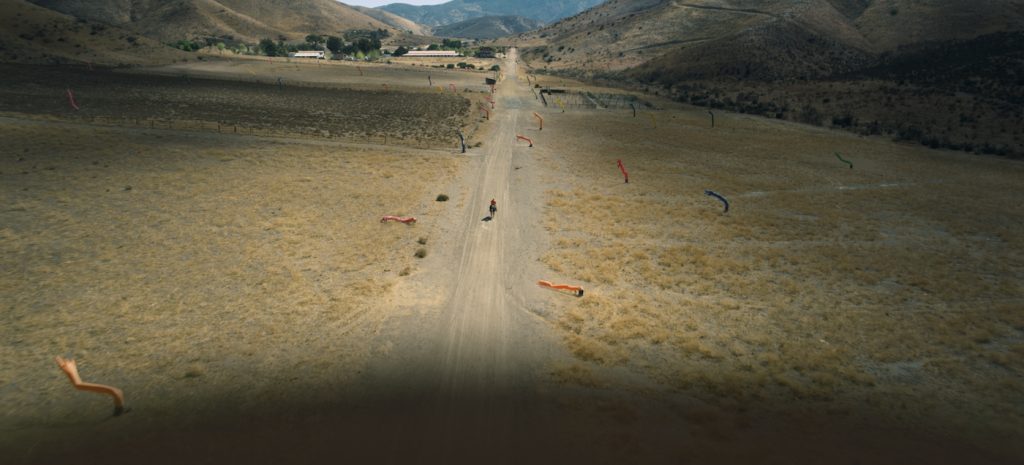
(488, 27)
(240, 19)
(753, 38)
(32, 34)
(461, 10)
(393, 20)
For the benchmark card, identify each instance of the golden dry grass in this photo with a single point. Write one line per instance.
(231, 267)
(895, 286)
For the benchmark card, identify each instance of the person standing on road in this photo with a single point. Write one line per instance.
(493, 208)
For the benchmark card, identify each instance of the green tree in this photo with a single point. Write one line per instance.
(186, 45)
(400, 51)
(335, 44)
(315, 39)
(221, 47)
(433, 47)
(268, 47)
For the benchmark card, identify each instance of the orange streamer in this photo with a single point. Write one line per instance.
(521, 137)
(562, 287)
(541, 119)
(71, 370)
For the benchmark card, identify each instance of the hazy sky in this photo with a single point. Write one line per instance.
(385, 2)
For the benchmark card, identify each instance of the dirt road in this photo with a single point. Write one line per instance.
(466, 371)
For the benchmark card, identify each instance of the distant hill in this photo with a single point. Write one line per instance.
(461, 10)
(393, 20)
(944, 73)
(247, 20)
(32, 34)
(757, 38)
(488, 27)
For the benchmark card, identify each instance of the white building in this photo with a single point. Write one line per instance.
(432, 54)
(318, 54)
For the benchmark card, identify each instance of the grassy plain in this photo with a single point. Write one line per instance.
(891, 290)
(190, 268)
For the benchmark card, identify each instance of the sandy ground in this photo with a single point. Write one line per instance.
(832, 316)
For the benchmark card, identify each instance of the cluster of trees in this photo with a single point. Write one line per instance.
(446, 44)
(359, 44)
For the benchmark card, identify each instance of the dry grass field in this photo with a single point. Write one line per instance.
(421, 118)
(189, 268)
(891, 291)
(398, 73)
(244, 295)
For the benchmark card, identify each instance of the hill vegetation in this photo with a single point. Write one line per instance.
(32, 34)
(488, 27)
(242, 20)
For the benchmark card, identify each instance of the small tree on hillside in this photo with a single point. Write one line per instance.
(315, 39)
(400, 51)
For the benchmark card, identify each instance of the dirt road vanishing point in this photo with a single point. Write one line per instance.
(466, 376)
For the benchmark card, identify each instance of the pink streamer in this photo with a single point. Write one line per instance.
(71, 100)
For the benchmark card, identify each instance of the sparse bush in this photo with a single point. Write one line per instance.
(442, 198)
(422, 241)
(421, 253)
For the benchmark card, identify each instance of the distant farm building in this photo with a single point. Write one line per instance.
(432, 54)
(318, 54)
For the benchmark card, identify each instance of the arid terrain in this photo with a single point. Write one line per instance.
(241, 290)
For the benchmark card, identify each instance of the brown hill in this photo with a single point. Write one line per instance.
(245, 20)
(756, 38)
(32, 34)
(394, 20)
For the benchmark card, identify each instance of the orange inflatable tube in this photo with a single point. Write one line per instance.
(399, 219)
(562, 287)
(71, 370)
(521, 137)
(541, 119)
(486, 111)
